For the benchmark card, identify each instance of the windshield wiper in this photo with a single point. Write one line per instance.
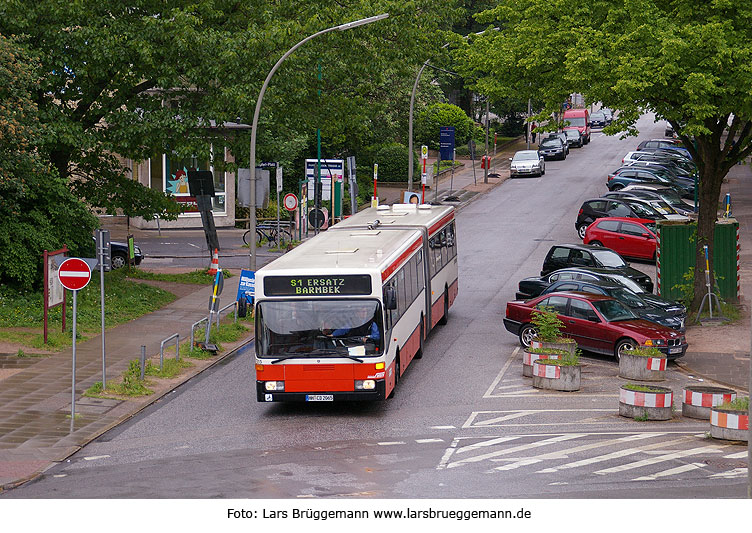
(316, 353)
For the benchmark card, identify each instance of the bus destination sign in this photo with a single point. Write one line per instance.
(343, 285)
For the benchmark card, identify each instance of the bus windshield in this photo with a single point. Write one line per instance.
(316, 328)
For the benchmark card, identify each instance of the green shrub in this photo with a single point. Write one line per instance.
(438, 115)
(739, 404)
(393, 160)
(567, 360)
(547, 324)
(647, 351)
(642, 388)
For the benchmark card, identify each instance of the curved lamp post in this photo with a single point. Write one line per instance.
(341, 27)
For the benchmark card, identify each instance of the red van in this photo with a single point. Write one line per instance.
(578, 119)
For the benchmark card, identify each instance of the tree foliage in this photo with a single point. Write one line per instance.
(37, 209)
(688, 61)
(434, 117)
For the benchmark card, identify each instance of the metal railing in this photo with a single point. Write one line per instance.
(193, 328)
(175, 336)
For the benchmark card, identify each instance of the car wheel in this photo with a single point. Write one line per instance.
(118, 261)
(622, 346)
(596, 243)
(527, 334)
(581, 231)
(543, 170)
(617, 187)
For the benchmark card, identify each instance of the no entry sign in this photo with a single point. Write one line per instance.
(74, 274)
(291, 202)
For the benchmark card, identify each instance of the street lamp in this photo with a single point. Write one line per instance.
(341, 27)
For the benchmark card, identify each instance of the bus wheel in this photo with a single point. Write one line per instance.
(396, 374)
(443, 320)
(419, 353)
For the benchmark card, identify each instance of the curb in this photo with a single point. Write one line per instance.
(188, 376)
(687, 370)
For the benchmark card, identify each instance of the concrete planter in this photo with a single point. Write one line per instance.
(566, 345)
(529, 358)
(642, 368)
(556, 377)
(698, 400)
(729, 424)
(655, 404)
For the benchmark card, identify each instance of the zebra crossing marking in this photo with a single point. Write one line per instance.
(671, 472)
(659, 459)
(475, 420)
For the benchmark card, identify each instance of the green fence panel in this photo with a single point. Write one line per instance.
(676, 255)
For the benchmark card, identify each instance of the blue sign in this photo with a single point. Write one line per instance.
(247, 284)
(446, 143)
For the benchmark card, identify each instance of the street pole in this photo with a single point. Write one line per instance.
(341, 27)
(485, 170)
(528, 124)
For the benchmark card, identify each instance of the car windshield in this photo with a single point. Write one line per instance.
(551, 143)
(662, 207)
(578, 122)
(312, 328)
(597, 116)
(650, 225)
(526, 156)
(572, 133)
(628, 283)
(613, 310)
(609, 258)
(627, 297)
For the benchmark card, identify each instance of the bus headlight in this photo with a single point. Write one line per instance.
(274, 385)
(366, 384)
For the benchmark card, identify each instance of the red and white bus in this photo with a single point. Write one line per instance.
(342, 316)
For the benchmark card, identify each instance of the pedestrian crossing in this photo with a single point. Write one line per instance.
(618, 456)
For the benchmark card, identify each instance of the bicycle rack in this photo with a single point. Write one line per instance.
(193, 328)
(175, 336)
(233, 304)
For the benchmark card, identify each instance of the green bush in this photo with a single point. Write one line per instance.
(547, 324)
(393, 160)
(647, 351)
(438, 115)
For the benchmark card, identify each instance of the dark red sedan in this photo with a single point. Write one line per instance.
(630, 237)
(598, 323)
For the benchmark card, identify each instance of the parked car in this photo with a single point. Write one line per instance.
(596, 208)
(534, 286)
(608, 114)
(627, 175)
(574, 138)
(634, 301)
(583, 255)
(560, 135)
(664, 144)
(527, 163)
(629, 237)
(552, 148)
(598, 323)
(597, 120)
(660, 205)
(650, 190)
(681, 161)
(119, 254)
(672, 170)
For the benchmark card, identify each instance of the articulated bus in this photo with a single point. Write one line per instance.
(341, 316)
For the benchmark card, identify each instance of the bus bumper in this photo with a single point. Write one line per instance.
(379, 393)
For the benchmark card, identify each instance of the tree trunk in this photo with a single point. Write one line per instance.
(711, 174)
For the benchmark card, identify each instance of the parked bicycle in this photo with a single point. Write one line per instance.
(267, 233)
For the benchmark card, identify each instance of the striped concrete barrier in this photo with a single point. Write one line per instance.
(656, 403)
(729, 424)
(565, 378)
(642, 368)
(698, 399)
(529, 358)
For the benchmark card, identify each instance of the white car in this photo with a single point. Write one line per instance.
(527, 163)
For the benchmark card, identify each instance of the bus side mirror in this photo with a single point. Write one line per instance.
(390, 298)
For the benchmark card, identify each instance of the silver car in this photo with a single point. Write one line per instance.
(527, 163)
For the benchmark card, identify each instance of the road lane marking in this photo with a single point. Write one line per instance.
(393, 443)
(671, 472)
(489, 392)
(95, 457)
(427, 441)
(514, 449)
(739, 455)
(659, 459)
(730, 474)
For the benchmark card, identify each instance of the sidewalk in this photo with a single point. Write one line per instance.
(35, 399)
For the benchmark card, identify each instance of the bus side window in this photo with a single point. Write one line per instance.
(419, 270)
(410, 281)
(401, 302)
(451, 241)
(431, 262)
(436, 254)
(444, 247)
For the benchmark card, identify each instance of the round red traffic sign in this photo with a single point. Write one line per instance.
(291, 202)
(74, 274)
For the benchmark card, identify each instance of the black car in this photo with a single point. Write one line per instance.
(119, 254)
(664, 144)
(574, 138)
(597, 120)
(634, 301)
(668, 195)
(534, 286)
(583, 255)
(560, 135)
(672, 170)
(596, 208)
(553, 148)
(608, 114)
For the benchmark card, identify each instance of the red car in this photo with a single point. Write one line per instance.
(598, 323)
(630, 237)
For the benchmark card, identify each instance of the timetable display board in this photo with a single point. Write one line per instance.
(326, 285)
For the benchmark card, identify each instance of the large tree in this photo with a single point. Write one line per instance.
(145, 77)
(689, 61)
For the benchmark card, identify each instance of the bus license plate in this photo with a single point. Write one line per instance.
(675, 350)
(319, 397)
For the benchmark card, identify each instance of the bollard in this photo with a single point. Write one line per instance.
(143, 361)
(175, 336)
